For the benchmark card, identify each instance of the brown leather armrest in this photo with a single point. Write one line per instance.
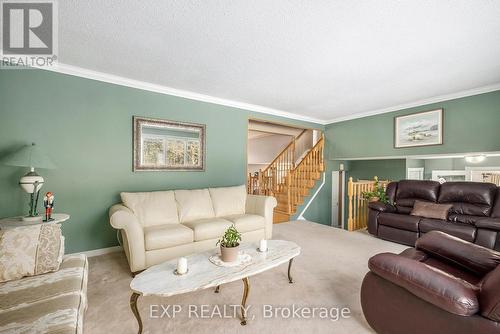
(489, 296)
(472, 257)
(434, 286)
(381, 207)
(489, 223)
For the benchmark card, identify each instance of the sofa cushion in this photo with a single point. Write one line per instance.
(489, 223)
(152, 208)
(212, 228)
(408, 191)
(403, 222)
(495, 211)
(390, 191)
(228, 200)
(462, 231)
(194, 204)
(468, 198)
(165, 236)
(430, 210)
(50, 303)
(246, 223)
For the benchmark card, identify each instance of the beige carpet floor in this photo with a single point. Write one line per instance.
(328, 273)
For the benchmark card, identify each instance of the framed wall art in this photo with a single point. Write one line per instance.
(420, 129)
(163, 145)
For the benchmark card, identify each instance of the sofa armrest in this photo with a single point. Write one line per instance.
(262, 206)
(477, 259)
(434, 286)
(121, 217)
(381, 207)
(489, 223)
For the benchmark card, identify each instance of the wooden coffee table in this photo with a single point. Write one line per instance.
(160, 280)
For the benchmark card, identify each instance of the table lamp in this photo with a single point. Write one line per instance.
(30, 156)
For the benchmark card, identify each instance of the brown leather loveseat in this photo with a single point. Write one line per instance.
(474, 215)
(443, 285)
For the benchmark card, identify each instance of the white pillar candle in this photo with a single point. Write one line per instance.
(182, 265)
(263, 245)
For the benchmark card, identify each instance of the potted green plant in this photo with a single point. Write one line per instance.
(377, 194)
(229, 244)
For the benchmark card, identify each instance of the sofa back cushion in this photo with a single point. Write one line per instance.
(408, 191)
(390, 191)
(229, 200)
(194, 204)
(152, 208)
(495, 211)
(468, 198)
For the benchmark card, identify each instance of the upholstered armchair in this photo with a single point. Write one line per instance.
(443, 285)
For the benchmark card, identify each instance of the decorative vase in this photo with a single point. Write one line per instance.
(373, 199)
(229, 254)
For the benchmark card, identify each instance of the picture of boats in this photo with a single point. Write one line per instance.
(420, 129)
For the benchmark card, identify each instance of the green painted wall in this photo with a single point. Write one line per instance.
(390, 169)
(86, 128)
(470, 125)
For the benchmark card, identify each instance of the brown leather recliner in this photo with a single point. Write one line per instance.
(474, 215)
(443, 285)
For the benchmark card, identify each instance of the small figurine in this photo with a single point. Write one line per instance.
(48, 203)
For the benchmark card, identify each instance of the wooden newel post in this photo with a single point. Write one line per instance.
(350, 220)
(260, 183)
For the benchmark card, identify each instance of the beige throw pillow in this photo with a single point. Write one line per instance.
(30, 250)
(431, 210)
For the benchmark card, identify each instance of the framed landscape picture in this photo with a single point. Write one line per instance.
(163, 145)
(421, 129)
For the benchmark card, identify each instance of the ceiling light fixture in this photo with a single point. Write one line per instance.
(475, 158)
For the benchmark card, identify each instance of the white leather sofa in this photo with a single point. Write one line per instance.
(162, 225)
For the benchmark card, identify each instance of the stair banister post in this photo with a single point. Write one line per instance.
(260, 184)
(288, 191)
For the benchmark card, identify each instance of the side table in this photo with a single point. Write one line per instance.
(12, 222)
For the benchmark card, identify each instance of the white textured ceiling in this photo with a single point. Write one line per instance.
(321, 59)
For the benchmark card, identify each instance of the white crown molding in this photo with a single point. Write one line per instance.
(418, 103)
(122, 81)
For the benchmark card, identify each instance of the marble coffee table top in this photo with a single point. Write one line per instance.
(160, 280)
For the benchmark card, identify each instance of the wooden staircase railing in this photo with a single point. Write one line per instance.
(357, 205)
(271, 179)
(287, 181)
(304, 175)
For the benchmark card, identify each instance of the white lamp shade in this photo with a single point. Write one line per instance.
(27, 182)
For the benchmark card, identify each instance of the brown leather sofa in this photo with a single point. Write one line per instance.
(474, 215)
(443, 285)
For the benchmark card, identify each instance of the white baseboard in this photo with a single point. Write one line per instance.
(101, 251)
